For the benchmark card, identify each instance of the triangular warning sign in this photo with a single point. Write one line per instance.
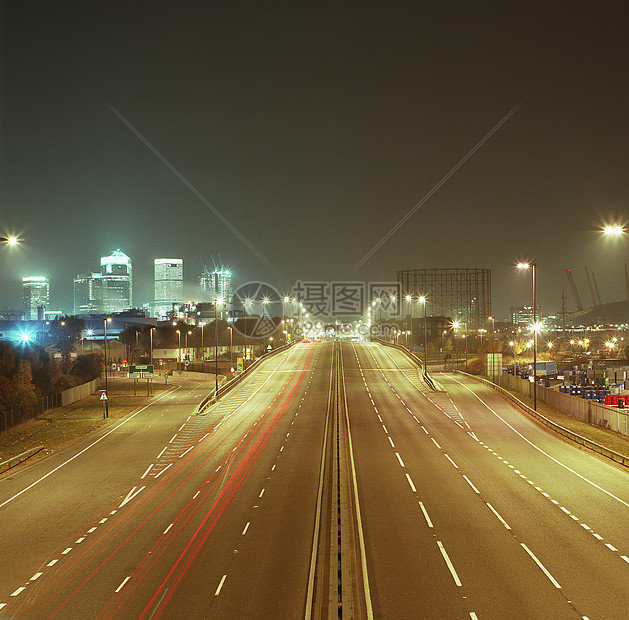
(103, 396)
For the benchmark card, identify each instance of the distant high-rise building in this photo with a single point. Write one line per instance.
(88, 293)
(168, 284)
(36, 296)
(218, 285)
(117, 286)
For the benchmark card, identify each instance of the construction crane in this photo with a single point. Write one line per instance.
(587, 275)
(575, 292)
(598, 295)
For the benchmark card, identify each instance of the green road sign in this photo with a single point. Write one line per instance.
(141, 372)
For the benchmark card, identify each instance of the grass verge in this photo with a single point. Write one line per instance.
(61, 427)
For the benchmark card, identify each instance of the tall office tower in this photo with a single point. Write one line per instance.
(117, 280)
(218, 284)
(88, 293)
(168, 284)
(36, 296)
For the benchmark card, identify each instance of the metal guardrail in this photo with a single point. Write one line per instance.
(579, 439)
(16, 460)
(213, 397)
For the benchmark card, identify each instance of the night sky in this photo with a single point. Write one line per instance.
(314, 128)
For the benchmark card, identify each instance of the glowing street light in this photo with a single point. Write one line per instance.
(9, 240)
(218, 301)
(105, 321)
(533, 267)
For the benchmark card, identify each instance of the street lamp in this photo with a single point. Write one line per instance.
(533, 267)
(512, 344)
(105, 321)
(230, 345)
(186, 341)
(202, 349)
(217, 301)
(178, 347)
(493, 349)
(9, 240)
(616, 230)
(151, 340)
(422, 300)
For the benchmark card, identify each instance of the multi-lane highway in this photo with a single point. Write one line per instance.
(332, 482)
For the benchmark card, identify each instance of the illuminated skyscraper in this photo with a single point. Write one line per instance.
(36, 296)
(168, 284)
(88, 293)
(117, 277)
(218, 285)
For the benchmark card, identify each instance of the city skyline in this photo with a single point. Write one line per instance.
(468, 137)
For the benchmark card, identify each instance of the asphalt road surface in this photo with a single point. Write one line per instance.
(465, 507)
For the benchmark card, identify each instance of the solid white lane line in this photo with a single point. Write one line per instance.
(220, 585)
(470, 483)
(541, 566)
(451, 461)
(168, 528)
(148, 469)
(435, 442)
(457, 581)
(78, 454)
(399, 458)
(163, 470)
(123, 583)
(528, 441)
(498, 516)
(246, 528)
(162, 452)
(421, 505)
(411, 483)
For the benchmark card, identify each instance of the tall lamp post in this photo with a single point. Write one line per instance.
(178, 347)
(217, 301)
(105, 321)
(618, 231)
(493, 348)
(422, 300)
(533, 267)
(202, 324)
